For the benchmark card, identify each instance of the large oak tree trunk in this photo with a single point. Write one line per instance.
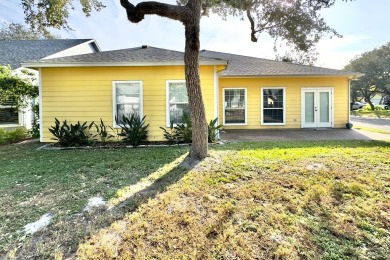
(189, 15)
(199, 147)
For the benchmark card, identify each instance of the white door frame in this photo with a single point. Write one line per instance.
(317, 123)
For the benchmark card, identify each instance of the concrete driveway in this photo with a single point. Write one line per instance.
(300, 134)
(376, 123)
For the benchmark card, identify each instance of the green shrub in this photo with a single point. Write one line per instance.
(101, 131)
(12, 136)
(170, 135)
(213, 130)
(182, 133)
(133, 129)
(71, 135)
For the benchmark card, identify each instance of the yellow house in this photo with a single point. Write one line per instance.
(243, 92)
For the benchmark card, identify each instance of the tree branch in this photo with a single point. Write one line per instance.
(253, 31)
(137, 13)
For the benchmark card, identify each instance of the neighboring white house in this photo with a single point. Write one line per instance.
(14, 52)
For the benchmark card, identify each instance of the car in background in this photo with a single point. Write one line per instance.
(357, 105)
(386, 105)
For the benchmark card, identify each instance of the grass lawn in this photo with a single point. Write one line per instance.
(371, 113)
(291, 200)
(374, 130)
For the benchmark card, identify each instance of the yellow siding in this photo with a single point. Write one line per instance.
(293, 88)
(85, 94)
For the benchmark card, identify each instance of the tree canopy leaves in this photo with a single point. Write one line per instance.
(42, 14)
(296, 24)
(17, 31)
(375, 64)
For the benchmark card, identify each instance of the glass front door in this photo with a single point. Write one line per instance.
(317, 107)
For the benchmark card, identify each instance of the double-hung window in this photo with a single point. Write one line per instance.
(234, 106)
(273, 102)
(127, 99)
(177, 101)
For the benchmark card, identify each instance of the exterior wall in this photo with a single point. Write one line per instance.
(86, 94)
(293, 88)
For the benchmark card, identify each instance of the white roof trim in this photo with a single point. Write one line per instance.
(113, 64)
(351, 76)
(65, 52)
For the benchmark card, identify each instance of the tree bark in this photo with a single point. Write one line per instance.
(189, 15)
(199, 149)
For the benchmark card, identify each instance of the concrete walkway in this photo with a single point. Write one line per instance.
(300, 134)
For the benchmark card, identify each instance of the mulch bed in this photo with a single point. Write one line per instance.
(110, 145)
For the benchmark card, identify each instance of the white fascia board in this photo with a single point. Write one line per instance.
(74, 50)
(114, 64)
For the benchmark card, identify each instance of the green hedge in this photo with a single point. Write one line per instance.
(12, 136)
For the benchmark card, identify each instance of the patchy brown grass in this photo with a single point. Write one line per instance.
(33, 183)
(313, 200)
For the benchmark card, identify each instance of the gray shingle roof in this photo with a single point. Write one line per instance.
(14, 52)
(143, 54)
(239, 65)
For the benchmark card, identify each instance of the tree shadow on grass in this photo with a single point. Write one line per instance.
(62, 238)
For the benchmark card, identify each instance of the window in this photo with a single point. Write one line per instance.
(177, 102)
(273, 103)
(8, 112)
(234, 106)
(127, 98)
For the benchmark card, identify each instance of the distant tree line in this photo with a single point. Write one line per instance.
(375, 64)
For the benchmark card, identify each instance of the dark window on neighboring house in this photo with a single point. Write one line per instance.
(8, 113)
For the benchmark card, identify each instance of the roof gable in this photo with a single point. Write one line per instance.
(14, 52)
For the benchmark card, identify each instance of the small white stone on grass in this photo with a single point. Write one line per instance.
(45, 220)
(95, 202)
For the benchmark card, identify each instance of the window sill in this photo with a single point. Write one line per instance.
(232, 124)
(272, 124)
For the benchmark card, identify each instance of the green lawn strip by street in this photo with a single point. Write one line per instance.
(371, 113)
(369, 129)
(295, 199)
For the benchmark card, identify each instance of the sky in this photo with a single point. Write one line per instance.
(364, 25)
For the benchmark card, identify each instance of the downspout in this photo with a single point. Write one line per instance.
(216, 93)
(349, 101)
(40, 105)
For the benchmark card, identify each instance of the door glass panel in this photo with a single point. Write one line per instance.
(324, 107)
(309, 107)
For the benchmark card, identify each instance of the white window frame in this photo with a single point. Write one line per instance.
(141, 93)
(168, 113)
(246, 106)
(262, 106)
